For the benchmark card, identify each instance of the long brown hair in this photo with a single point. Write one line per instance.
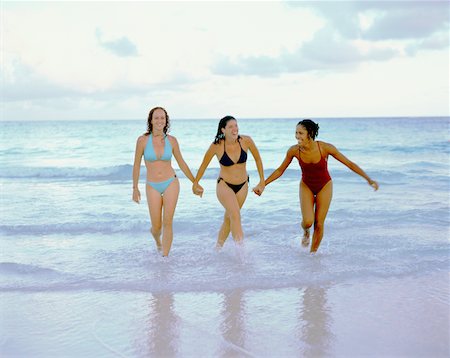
(149, 121)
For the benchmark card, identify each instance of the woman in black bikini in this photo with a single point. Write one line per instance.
(232, 184)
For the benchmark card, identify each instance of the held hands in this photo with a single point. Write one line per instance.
(373, 184)
(136, 195)
(258, 190)
(197, 189)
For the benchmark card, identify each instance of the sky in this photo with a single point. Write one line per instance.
(206, 59)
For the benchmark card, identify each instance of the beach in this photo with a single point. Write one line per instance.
(358, 318)
(80, 275)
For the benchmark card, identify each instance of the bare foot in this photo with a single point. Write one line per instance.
(240, 251)
(157, 240)
(219, 243)
(305, 239)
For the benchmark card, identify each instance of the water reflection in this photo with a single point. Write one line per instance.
(314, 322)
(233, 327)
(163, 326)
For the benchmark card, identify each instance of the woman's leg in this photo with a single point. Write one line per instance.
(323, 200)
(223, 232)
(225, 228)
(170, 199)
(155, 202)
(307, 208)
(231, 203)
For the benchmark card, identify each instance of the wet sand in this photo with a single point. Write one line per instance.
(401, 316)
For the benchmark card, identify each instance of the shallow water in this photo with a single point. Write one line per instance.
(79, 273)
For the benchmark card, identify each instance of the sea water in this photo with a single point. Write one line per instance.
(79, 273)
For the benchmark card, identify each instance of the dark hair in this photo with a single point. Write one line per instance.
(222, 124)
(149, 121)
(311, 127)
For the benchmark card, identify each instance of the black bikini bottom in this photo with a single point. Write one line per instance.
(234, 187)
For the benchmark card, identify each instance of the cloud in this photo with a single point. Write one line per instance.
(55, 65)
(22, 83)
(354, 32)
(327, 51)
(436, 42)
(121, 47)
(412, 21)
(390, 20)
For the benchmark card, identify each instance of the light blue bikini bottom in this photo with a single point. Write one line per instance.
(161, 186)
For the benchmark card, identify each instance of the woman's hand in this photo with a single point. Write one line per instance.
(136, 195)
(258, 190)
(197, 189)
(373, 184)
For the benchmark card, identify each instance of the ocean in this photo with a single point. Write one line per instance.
(80, 276)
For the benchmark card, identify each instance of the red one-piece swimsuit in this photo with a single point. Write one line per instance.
(315, 175)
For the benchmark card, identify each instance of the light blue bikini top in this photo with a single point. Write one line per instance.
(149, 151)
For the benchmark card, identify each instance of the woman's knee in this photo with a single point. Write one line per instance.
(155, 229)
(307, 223)
(226, 218)
(318, 225)
(167, 222)
(234, 216)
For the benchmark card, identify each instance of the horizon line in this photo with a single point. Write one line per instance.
(239, 118)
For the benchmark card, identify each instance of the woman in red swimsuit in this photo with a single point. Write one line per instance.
(316, 186)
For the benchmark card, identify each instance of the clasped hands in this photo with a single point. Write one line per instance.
(197, 189)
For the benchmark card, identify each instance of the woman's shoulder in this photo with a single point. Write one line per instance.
(328, 148)
(172, 139)
(142, 141)
(245, 139)
(325, 145)
(142, 138)
(293, 149)
(216, 146)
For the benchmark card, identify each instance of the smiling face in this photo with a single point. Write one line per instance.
(302, 136)
(231, 129)
(159, 120)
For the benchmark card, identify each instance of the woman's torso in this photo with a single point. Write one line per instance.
(314, 165)
(157, 158)
(233, 160)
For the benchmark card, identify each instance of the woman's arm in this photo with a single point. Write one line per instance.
(196, 187)
(206, 160)
(281, 169)
(139, 152)
(259, 166)
(179, 158)
(332, 150)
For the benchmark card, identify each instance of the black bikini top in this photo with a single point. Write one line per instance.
(226, 160)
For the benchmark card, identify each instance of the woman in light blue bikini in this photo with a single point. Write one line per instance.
(162, 187)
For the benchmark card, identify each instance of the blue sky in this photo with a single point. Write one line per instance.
(115, 60)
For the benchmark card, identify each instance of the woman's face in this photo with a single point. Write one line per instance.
(159, 120)
(231, 129)
(301, 134)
